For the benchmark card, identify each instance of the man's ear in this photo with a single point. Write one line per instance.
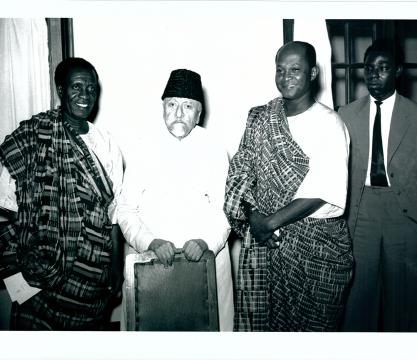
(200, 110)
(399, 71)
(198, 118)
(314, 72)
(59, 91)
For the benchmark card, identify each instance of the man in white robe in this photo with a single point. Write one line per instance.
(173, 192)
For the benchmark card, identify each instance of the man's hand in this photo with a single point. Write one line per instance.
(164, 250)
(261, 229)
(194, 249)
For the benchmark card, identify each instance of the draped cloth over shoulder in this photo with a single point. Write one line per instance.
(61, 240)
(300, 285)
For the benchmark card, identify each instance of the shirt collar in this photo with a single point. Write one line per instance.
(387, 102)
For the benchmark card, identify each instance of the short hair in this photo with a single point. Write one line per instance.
(387, 47)
(310, 52)
(67, 64)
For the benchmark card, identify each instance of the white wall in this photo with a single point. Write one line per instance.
(230, 48)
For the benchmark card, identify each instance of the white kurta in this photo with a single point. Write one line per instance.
(174, 190)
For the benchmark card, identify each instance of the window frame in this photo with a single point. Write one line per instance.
(61, 46)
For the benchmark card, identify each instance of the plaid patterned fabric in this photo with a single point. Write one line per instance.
(61, 240)
(300, 286)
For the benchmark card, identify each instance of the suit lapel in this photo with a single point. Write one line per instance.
(400, 121)
(362, 129)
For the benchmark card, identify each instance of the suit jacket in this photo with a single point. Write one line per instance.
(402, 154)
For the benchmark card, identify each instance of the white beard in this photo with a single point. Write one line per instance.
(179, 130)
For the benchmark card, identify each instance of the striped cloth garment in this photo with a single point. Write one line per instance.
(301, 285)
(61, 239)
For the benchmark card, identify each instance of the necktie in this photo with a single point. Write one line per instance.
(378, 176)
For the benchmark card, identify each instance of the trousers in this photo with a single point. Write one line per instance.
(383, 295)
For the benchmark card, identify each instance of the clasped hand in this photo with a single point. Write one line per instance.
(261, 229)
(165, 250)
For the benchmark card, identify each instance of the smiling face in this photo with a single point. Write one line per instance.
(294, 74)
(181, 115)
(78, 93)
(380, 74)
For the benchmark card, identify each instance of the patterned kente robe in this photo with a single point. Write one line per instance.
(301, 285)
(61, 239)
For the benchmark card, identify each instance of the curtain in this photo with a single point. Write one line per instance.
(315, 33)
(24, 71)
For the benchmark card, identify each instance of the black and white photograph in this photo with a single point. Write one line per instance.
(208, 180)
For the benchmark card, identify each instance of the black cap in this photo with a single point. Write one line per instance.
(185, 84)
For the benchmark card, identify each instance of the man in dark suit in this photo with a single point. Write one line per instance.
(382, 199)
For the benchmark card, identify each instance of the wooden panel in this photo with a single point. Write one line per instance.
(181, 297)
(288, 30)
(61, 46)
(55, 55)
